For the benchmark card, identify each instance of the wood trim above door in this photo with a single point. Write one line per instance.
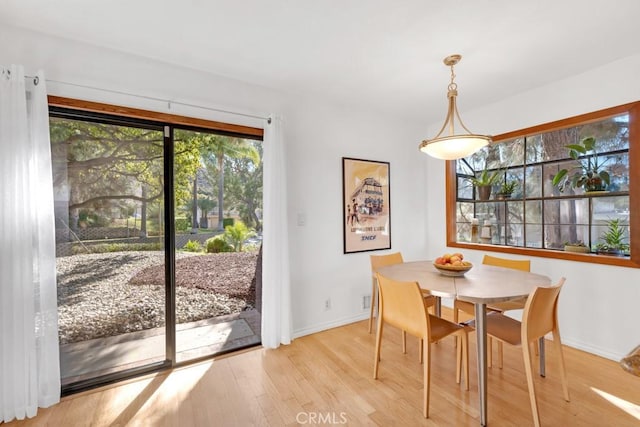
(98, 107)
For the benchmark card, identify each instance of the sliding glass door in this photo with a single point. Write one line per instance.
(158, 236)
(218, 197)
(109, 205)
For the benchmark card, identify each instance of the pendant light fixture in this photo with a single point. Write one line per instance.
(452, 146)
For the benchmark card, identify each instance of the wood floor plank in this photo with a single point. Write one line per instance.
(327, 378)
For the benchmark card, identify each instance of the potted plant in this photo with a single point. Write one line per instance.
(484, 182)
(613, 241)
(506, 189)
(588, 173)
(577, 247)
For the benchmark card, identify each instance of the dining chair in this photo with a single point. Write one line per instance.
(540, 317)
(501, 307)
(378, 261)
(516, 264)
(401, 304)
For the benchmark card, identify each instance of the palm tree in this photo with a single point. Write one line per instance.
(236, 234)
(215, 149)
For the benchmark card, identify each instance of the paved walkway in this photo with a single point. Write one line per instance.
(86, 359)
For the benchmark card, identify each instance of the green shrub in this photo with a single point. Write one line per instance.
(192, 246)
(218, 244)
(182, 224)
(236, 234)
(227, 222)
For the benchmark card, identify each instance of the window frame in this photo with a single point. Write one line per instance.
(633, 109)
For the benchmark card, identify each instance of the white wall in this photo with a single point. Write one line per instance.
(599, 304)
(317, 136)
(81, 64)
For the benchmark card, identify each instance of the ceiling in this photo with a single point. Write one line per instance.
(382, 54)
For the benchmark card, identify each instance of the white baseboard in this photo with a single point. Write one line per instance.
(589, 348)
(329, 325)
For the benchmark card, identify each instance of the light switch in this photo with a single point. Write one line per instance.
(302, 219)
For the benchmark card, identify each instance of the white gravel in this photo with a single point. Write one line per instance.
(95, 299)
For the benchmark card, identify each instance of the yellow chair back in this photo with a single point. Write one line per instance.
(516, 264)
(402, 305)
(540, 314)
(378, 261)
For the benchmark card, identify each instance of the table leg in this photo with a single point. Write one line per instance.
(542, 356)
(438, 306)
(481, 338)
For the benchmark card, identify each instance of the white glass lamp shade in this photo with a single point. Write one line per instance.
(454, 147)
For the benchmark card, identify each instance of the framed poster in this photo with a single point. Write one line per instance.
(366, 207)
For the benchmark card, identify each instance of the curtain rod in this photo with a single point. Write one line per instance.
(151, 98)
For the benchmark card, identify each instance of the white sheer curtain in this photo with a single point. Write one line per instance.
(29, 359)
(276, 286)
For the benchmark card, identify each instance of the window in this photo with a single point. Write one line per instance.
(538, 218)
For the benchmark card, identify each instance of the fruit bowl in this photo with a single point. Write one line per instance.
(453, 270)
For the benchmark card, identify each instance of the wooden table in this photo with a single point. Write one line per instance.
(480, 286)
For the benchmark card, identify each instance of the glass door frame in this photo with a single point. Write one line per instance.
(112, 114)
(169, 242)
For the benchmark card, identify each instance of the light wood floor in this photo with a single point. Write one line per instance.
(326, 379)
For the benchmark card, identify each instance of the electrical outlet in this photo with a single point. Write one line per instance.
(327, 304)
(366, 302)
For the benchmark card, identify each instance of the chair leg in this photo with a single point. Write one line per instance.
(404, 342)
(500, 354)
(541, 346)
(427, 375)
(421, 351)
(462, 360)
(374, 299)
(465, 355)
(489, 351)
(378, 345)
(557, 344)
(528, 368)
(458, 360)
(455, 320)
